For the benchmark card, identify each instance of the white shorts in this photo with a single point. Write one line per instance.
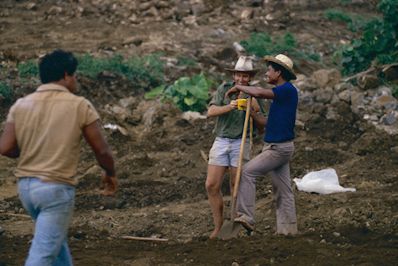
(225, 152)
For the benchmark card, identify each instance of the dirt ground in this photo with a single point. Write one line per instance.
(162, 168)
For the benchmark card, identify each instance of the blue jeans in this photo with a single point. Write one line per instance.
(51, 207)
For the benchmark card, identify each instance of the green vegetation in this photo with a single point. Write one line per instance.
(146, 72)
(261, 44)
(28, 69)
(345, 2)
(186, 61)
(337, 15)
(355, 22)
(6, 92)
(395, 90)
(379, 42)
(188, 94)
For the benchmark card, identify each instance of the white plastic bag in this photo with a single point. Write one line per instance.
(322, 182)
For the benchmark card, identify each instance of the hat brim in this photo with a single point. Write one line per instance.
(252, 72)
(276, 61)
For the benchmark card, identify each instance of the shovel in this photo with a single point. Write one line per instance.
(230, 229)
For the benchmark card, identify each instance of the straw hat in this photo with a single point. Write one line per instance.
(283, 61)
(244, 64)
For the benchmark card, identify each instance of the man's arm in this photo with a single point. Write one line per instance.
(215, 110)
(94, 137)
(259, 121)
(8, 141)
(257, 92)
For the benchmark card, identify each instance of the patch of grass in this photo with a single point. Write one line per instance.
(146, 72)
(337, 15)
(28, 69)
(354, 22)
(345, 2)
(395, 90)
(6, 92)
(91, 67)
(262, 44)
(186, 61)
(390, 84)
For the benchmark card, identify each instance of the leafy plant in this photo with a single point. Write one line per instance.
(188, 94)
(28, 69)
(261, 44)
(6, 92)
(154, 93)
(378, 43)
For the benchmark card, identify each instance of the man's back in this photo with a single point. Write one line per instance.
(48, 126)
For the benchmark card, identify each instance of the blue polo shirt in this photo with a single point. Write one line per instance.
(282, 114)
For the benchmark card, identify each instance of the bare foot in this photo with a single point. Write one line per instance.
(214, 234)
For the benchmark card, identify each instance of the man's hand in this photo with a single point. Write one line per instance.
(109, 185)
(231, 91)
(233, 104)
(8, 141)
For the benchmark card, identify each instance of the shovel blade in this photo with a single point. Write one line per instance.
(229, 230)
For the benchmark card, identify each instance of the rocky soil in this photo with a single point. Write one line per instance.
(349, 124)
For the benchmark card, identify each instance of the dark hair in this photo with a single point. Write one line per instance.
(53, 66)
(286, 75)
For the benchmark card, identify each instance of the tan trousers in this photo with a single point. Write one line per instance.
(274, 159)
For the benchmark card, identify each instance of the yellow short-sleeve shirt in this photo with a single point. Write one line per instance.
(48, 127)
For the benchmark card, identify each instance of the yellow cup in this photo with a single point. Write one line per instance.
(242, 104)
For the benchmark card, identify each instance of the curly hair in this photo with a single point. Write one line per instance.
(53, 66)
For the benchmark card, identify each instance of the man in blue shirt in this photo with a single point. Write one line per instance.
(278, 148)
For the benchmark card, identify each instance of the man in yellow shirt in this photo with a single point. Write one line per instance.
(43, 130)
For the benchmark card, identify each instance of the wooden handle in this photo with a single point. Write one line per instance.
(242, 147)
(251, 135)
(145, 238)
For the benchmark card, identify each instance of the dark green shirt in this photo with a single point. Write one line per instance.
(230, 125)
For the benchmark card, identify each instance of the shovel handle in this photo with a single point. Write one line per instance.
(242, 147)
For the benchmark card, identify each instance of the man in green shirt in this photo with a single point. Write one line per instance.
(224, 153)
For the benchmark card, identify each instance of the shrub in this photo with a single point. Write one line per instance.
(28, 69)
(355, 22)
(90, 66)
(345, 2)
(186, 61)
(261, 44)
(378, 43)
(145, 72)
(6, 92)
(188, 94)
(337, 15)
(395, 91)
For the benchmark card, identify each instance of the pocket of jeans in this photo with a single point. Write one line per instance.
(63, 193)
(285, 150)
(70, 193)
